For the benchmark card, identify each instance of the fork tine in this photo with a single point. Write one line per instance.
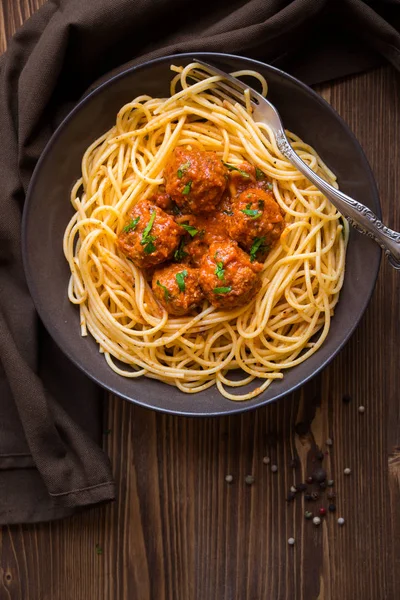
(232, 82)
(217, 86)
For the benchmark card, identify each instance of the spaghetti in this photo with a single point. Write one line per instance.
(285, 322)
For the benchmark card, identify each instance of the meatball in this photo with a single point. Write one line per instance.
(177, 288)
(256, 216)
(227, 276)
(195, 180)
(150, 236)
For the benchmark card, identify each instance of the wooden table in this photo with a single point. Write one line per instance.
(178, 531)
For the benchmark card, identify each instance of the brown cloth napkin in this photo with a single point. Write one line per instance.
(51, 461)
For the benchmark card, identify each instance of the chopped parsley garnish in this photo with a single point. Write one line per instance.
(259, 174)
(179, 253)
(131, 225)
(147, 239)
(251, 212)
(150, 247)
(222, 290)
(180, 280)
(187, 188)
(233, 168)
(182, 169)
(219, 270)
(270, 187)
(190, 229)
(261, 204)
(258, 245)
(167, 295)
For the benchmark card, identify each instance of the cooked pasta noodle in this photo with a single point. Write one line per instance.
(286, 321)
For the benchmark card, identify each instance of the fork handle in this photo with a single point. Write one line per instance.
(357, 214)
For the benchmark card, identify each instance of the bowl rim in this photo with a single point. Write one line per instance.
(237, 407)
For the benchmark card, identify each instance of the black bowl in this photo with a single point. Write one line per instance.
(48, 210)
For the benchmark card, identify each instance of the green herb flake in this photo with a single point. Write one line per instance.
(251, 212)
(180, 280)
(259, 174)
(167, 295)
(179, 253)
(147, 239)
(222, 290)
(187, 188)
(270, 187)
(182, 169)
(190, 229)
(258, 245)
(150, 247)
(131, 226)
(219, 270)
(99, 549)
(233, 168)
(148, 227)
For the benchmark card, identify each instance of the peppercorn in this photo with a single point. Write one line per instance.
(314, 495)
(329, 442)
(332, 507)
(330, 482)
(229, 479)
(316, 520)
(293, 489)
(274, 468)
(290, 497)
(346, 398)
(320, 455)
(340, 521)
(291, 541)
(347, 471)
(361, 409)
(266, 460)
(319, 475)
(308, 514)
(322, 511)
(301, 487)
(309, 479)
(294, 463)
(322, 485)
(249, 479)
(331, 495)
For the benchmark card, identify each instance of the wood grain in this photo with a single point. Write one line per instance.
(178, 531)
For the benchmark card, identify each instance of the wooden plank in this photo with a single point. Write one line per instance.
(178, 530)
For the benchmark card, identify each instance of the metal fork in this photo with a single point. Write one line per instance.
(357, 214)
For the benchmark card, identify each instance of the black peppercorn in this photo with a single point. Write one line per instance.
(319, 475)
(290, 497)
(320, 455)
(332, 507)
(294, 463)
(331, 495)
(322, 485)
(346, 398)
(301, 487)
(309, 479)
(307, 497)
